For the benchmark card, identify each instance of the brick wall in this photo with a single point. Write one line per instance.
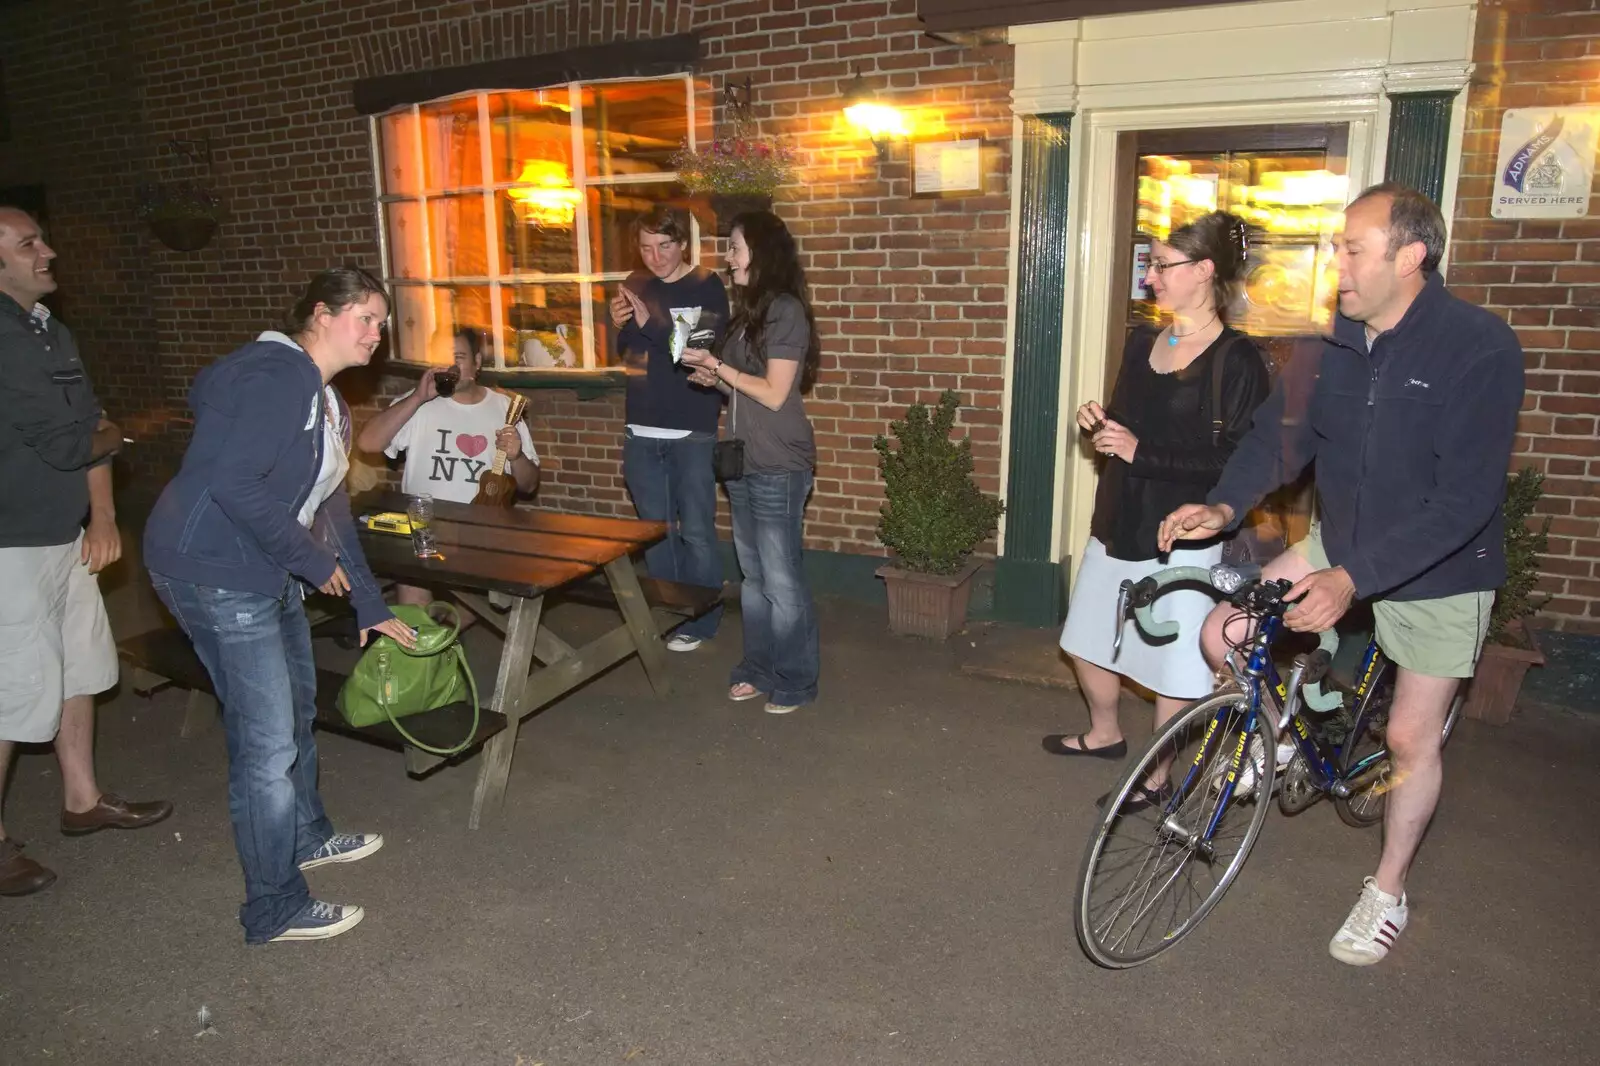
(910, 294)
(1544, 277)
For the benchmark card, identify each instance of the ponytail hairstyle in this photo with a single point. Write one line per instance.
(775, 270)
(1223, 238)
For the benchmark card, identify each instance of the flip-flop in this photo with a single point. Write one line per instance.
(1056, 744)
(753, 694)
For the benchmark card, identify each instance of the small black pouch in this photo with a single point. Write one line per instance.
(727, 456)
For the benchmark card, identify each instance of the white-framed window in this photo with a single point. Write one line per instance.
(509, 212)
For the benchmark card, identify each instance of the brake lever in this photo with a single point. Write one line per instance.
(1123, 593)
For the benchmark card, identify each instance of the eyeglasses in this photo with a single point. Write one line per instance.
(1161, 266)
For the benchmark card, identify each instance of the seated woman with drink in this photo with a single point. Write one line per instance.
(450, 427)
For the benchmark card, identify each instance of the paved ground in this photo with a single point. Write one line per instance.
(884, 878)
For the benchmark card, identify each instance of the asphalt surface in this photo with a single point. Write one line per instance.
(883, 878)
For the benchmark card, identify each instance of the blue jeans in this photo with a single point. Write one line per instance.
(671, 481)
(257, 650)
(781, 657)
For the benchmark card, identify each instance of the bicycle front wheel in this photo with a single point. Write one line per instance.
(1152, 872)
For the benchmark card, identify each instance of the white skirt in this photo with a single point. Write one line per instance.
(1174, 667)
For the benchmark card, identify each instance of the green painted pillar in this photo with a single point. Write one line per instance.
(1030, 585)
(1419, 140)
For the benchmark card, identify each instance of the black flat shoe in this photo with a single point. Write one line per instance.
(1140, 799)
(1055, 744)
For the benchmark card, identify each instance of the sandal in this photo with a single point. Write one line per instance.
(743, 691)
(1056, 744)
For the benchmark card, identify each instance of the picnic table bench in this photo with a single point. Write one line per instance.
(524, 553)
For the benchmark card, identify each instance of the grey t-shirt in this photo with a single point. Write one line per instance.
(774, 441)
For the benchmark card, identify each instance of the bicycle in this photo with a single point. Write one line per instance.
(1139, 889)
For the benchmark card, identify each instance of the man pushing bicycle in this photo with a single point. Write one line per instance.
(1408, 410)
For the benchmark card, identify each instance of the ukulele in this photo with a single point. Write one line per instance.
(496, 488)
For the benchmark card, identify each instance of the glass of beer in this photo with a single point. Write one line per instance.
(447, 379)
(424, 538)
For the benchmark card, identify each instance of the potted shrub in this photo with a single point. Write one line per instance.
(735, 173)
(934, 514)
(1511, 648)
(182, 215)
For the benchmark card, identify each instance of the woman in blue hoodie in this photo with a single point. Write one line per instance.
(257, 511)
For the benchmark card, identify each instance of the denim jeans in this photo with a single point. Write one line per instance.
(257, 650)
(781, 657)
(671, 481)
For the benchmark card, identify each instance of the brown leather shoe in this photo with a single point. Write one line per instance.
(20, 875)
(114, 812)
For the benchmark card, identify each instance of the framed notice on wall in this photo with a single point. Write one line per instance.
(1546, 162)
(947, 168)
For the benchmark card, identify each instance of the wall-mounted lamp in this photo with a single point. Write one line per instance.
(871, 116)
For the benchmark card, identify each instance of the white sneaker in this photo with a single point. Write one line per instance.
(1375, 923)
(683, 642)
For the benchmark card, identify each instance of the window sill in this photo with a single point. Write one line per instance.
(588, 384)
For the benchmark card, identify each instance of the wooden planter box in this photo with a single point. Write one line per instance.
(928, 605)
(1493, 690)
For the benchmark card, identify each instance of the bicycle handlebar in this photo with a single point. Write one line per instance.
(1141, 597)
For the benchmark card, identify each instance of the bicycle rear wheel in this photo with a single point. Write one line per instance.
(1147, 878)
(1364, 759)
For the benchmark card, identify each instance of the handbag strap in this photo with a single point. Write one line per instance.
(1218, 365)
(472, 686)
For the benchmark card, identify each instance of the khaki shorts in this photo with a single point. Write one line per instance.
(55, 639)
(1439, 638)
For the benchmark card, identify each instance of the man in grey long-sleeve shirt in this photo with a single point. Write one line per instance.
(1408, 410)
(56, 649)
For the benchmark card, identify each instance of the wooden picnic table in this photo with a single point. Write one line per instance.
(525, 553)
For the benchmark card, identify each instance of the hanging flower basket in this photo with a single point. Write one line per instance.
(184, 234)
(182, 215)
(735, 173)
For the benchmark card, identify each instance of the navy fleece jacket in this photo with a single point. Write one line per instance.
(230, 518)
(1411, 441)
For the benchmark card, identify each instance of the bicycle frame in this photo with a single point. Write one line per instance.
(1267, 692)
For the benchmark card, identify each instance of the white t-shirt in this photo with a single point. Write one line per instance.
(335, 463)
(448, 444)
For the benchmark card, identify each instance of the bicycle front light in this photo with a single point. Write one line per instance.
(1230, 579)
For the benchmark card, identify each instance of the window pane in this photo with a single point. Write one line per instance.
(544, 325)
(538, 230)
(407, 256)
(425, 323)
(633, 127)
(397, 136)
(530, 127)
(456, 231)
(605, 338)
(451, 152)
(612, 209)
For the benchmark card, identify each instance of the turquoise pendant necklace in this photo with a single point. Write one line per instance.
(1173, 336)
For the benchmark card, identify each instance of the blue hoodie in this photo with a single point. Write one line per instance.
(1411, 443)
(229, 519)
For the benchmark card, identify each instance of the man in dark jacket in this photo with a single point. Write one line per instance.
(1408, 411)
(671, 424)
(56, 650)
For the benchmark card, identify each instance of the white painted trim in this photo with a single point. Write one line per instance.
(1089, 329)
(1427, 78)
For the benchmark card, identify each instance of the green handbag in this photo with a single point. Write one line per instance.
(392, 681)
